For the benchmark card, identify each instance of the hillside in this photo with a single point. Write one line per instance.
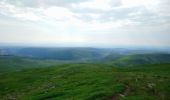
(76, 53)
(14, 63)
(57, 53)
(83, 74)
(19, 58)
(140, 59)
(87, 82)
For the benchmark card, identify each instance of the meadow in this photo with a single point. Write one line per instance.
(87, 82)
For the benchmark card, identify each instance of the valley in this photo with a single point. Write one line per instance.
(84, 74)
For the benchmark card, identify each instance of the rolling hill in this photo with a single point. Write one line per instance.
(87, 82)
(13, 63)
(21, 58)
(140, 59)
(58, 53)
(83, 74)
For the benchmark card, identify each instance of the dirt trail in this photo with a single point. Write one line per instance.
(124, 93)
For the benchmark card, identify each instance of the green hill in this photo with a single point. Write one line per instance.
(140, 59)
(83, 74)
(13, 63)
(57, 53)
(87, 82)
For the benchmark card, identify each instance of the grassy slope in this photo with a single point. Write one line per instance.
(139, 59)
(58, 53)
(13, 63)
(87, 82)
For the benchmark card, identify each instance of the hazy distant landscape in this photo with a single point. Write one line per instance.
(84, 73)
(84, 49)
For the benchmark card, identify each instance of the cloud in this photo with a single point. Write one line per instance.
(136, 3)
(163, 8)
(85, 20)
(18, 12)
(94, 4)
(88, 10)
(42, 3)
(58, 13)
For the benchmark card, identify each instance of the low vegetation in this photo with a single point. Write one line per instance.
(14, 63)
(84, 74)
(87, 82)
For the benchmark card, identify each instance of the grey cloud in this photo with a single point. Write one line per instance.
(164, 6)
(111, 15)
(138, 14)
(115, 3)
(84, 14)
(41, 3)
(62, 2)
(120, 13)
(86, 10)
(23, 3)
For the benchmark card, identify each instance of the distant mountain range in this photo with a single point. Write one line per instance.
(75, 53)
(115, 56)
(140, 59)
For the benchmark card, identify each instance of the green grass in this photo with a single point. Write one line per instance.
(87, 82)
(14, 63)
(140, 59)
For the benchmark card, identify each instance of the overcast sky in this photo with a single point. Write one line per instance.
(85, 22)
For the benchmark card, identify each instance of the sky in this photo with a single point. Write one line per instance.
(85, 22)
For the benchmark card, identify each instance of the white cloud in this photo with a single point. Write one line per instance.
(20, 13)
(92, 21)
(135, 3)
(58, 13)
(94, 4)
(163, 9)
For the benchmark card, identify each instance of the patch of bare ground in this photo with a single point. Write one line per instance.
(121, 95)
